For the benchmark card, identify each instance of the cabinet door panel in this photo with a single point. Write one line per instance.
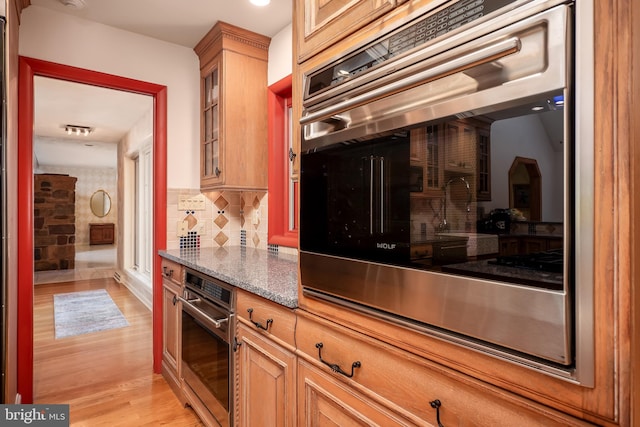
(170, 315)
(267, 381)
(324, 22)
(324, 402)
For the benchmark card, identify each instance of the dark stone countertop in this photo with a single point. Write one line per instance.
(270, 275)
(485, 269)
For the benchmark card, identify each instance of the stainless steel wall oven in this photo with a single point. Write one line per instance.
(446, 181)
(207, 356)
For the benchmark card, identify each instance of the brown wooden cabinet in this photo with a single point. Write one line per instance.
(266, 363)
(324, 22)
(390, 386)
(267, 381)
(233, 108)
(171, 321)
(101, 234)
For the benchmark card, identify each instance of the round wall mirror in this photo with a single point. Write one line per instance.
(100, 203)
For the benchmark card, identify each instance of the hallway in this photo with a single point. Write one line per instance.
(106, 377)
(91, 262)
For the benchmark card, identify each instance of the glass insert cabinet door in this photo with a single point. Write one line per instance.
(211, 167)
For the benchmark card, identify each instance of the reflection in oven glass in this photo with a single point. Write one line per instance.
(208, 357)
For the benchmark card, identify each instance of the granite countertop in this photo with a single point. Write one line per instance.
(270, 275)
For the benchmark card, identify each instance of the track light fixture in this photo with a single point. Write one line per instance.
(78, 130)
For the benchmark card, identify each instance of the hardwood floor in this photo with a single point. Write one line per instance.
(106, 377)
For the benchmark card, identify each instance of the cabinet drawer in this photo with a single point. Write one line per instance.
(172, 271)
(409, 383)
(271, 318)
(321, 397)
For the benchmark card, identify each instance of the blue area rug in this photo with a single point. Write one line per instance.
(84, 312)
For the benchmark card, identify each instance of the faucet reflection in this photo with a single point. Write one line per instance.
(444, 225)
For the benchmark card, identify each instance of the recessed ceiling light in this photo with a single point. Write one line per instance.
(260, 2)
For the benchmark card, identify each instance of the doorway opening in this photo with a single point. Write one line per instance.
(28, 69)
(525, 188)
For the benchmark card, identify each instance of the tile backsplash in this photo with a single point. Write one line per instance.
(228, 218)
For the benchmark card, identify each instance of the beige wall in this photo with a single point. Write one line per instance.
(89, 181)
(64, 39)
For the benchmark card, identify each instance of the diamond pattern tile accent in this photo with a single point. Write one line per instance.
(221, 221)
(242, 220)
(221, 238)
(242, 204)
(221, 202)
(255, 226)
(256, 240)
(256, 202)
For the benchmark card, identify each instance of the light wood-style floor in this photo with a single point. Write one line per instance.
(106, 377)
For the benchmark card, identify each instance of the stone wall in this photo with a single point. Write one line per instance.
(54, 222)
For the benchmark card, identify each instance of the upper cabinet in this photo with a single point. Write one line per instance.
(324, 22)
(233, 109)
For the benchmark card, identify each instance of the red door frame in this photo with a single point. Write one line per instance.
(29, 68)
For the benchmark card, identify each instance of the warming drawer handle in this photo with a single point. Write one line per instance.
(467, 60)
(334, 366)
(217, 323)
(435, 404)
(258, 324)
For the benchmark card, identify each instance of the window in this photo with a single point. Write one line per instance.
(142, 253)
(283, 185)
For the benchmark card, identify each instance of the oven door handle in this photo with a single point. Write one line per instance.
(465, 61)
(201, 315)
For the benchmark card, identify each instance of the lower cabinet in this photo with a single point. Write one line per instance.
(266, 394)
(265, 363)
(325, 401)
(171, 325)
(348, 378)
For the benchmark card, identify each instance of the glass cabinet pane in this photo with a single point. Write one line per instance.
(215, 86)
(208, 159)
(210, 138)
(207, 124)
(207, 91)
(214, 122)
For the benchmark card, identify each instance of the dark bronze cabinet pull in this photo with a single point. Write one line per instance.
(258, 324)
(167, 273)
(334, 366)
(236, 344)
(435, 404)
(292, 155)
(175, 299)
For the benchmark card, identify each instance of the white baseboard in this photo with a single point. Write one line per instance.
(139, 286)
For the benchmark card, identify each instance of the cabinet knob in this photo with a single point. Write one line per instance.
(217, 172)
(292, 155)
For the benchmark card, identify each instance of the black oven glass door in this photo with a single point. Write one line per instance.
(205, 355)
(491, 202)
(357, 198)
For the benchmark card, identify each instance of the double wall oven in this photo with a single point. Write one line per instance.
(208, 324)
(470, 113)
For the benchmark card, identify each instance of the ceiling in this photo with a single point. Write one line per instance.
(183, 22)
(113, 112)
